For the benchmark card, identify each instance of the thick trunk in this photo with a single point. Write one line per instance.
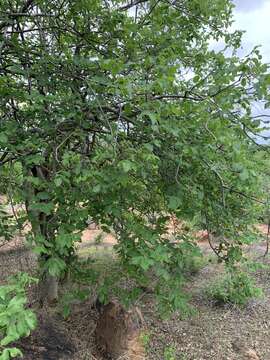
(119, 332)
(48, 290)
(52, 289)
(48, 286)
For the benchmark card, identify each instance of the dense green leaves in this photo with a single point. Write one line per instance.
(236, 287)
(123, 113)
(16, 320)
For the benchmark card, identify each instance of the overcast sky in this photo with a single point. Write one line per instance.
(253, 16)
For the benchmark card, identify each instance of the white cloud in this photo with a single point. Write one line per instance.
(256, 25)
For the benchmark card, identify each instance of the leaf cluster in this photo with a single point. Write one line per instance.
(16, 320)
(237, 287)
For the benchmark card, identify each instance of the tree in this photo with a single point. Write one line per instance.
(121, 111)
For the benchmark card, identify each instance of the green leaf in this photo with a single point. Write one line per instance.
(5, 355)
(244, 175)
(58, 181)
(243, 81)
(40, 250)
(46, 208)
(31, 320)
(9, 339)
(43, 195)
(97, 188)
(3, 138)
(15, 352)
(10, 352)
(55, 266)
(174, 202)
(126, 165)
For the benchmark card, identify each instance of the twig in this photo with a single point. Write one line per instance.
(267, 239)
(220, 180)
(245, 195)
(268, 231)
(62, 143)
(177, 173)
(133, 3)
(29, 15)
(176, 97)
(209, 238)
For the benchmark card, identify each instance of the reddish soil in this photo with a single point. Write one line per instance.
(213, 333)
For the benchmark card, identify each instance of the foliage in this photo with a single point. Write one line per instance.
(16, 320)
(72, 297)
(236, 287)
(145, 338)
(5, 221)
(79, 285)
(169, 353)
(122, 113)
(188, 258)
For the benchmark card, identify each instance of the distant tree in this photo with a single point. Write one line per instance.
(122, 112)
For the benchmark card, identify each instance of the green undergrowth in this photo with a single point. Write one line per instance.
(16, 319)
(98, 273)
(236, 287)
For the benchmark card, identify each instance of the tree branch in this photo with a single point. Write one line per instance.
(133, 3)
(14, 15)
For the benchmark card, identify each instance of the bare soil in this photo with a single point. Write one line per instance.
(214, 333)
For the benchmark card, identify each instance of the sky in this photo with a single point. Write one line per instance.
(253, 16)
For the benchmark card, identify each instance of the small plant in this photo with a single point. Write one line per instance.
(72, 297)
(169, 353)
(195, 264)
(16, 320)
(145, 339)
(236, 287)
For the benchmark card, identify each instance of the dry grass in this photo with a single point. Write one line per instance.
(213, 333)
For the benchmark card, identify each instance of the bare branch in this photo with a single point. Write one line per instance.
(267, 238)
(244, 195)
(24, 8)
(28, 15)
(175, 97)
(132, 4)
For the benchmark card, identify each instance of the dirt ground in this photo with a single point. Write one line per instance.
(212, 333)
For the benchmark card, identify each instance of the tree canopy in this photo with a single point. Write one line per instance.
(123, 112)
